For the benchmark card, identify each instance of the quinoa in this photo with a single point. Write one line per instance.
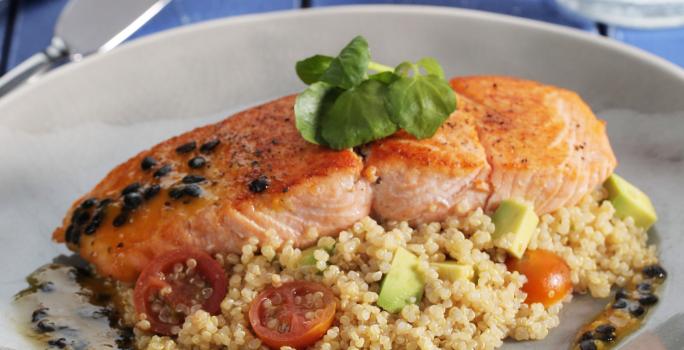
(600, 249)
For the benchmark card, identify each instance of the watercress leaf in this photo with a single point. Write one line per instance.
(431, 67)
(420, 104)
(349, 68)
(404, 68)
(384, 77)
(309, 108)
(309, 70)
(358, 116)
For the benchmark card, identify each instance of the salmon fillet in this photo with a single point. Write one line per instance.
(543, 143)
(259, 179)
(427, 180)
(254, 176)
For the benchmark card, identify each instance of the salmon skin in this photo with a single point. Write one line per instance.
(253, 175)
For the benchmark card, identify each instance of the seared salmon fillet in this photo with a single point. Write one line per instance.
(254, 176)
(213, 188)
(542, 142)
(427, 180)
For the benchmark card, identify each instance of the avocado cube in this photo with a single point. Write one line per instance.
(515, 222)
(403, 284)
(628, 200)
(452, 271)
(307, 258)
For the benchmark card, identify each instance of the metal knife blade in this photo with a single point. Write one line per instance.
(89, 26)
(84, 27)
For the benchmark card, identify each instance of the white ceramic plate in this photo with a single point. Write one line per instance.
(59, 136)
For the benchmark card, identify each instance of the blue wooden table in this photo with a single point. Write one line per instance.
(26, 25)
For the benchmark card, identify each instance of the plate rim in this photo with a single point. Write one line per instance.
(556, 29)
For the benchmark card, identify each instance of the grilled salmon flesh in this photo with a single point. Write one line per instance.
(253, 175)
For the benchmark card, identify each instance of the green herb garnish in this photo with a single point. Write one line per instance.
(346, 106)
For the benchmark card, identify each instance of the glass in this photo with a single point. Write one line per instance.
(630, 13)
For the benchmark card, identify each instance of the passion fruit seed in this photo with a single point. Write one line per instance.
(209, 146)
(186, 147)
(147, 163)
(191, 179)
(260, 184)
(197, 162)
(89, 203)
(134, 187)
(163, 171)
(654, 271)
(587, 345)
(151, 191)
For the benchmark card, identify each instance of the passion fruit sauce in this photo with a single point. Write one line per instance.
(624, 314)
(66, 306)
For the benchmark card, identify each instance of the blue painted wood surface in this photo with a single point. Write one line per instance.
(34, 20)
(4, 23)
(543, 10)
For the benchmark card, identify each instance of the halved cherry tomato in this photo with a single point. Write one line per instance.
(295, 314)
(177, 283)
(548, 276)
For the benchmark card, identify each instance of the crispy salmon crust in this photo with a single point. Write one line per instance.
(259, 179)
(262, 180)
(543, 143)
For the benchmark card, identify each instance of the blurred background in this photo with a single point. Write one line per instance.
(657, 26)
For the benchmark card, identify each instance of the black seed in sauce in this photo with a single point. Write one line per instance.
(186, 147)
(191, 179)
(39, 314)
(644, 288)
(81, 217)
(121, 219)
(176, 192)
(587, 345)
(586, 336)
(134, 187)
(88, 203)
(147, 163)
(621, 294)
(95, 222)
(619, 304)
(58, 343)
(260, 184)
(654, 271)
(605, 332)
(197, 162)
(209, 146)
(151, 191)
(132, 200)
(636, 310)
(648, 300)
(45, 326)
(163, 171)
(192, 190)
(73, 234)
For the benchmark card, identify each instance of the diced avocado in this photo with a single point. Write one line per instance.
(307, 258)
(630, 201)
(403, 284)
(452, 271)
(515, 222)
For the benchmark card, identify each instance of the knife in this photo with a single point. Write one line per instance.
(84, 27)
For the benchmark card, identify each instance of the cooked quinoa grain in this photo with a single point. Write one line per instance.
(600, 250)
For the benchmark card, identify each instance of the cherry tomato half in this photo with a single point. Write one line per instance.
(548, 276)
(176, 284)
(295, 314)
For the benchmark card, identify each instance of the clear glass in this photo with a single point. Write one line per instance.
(631, 13)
